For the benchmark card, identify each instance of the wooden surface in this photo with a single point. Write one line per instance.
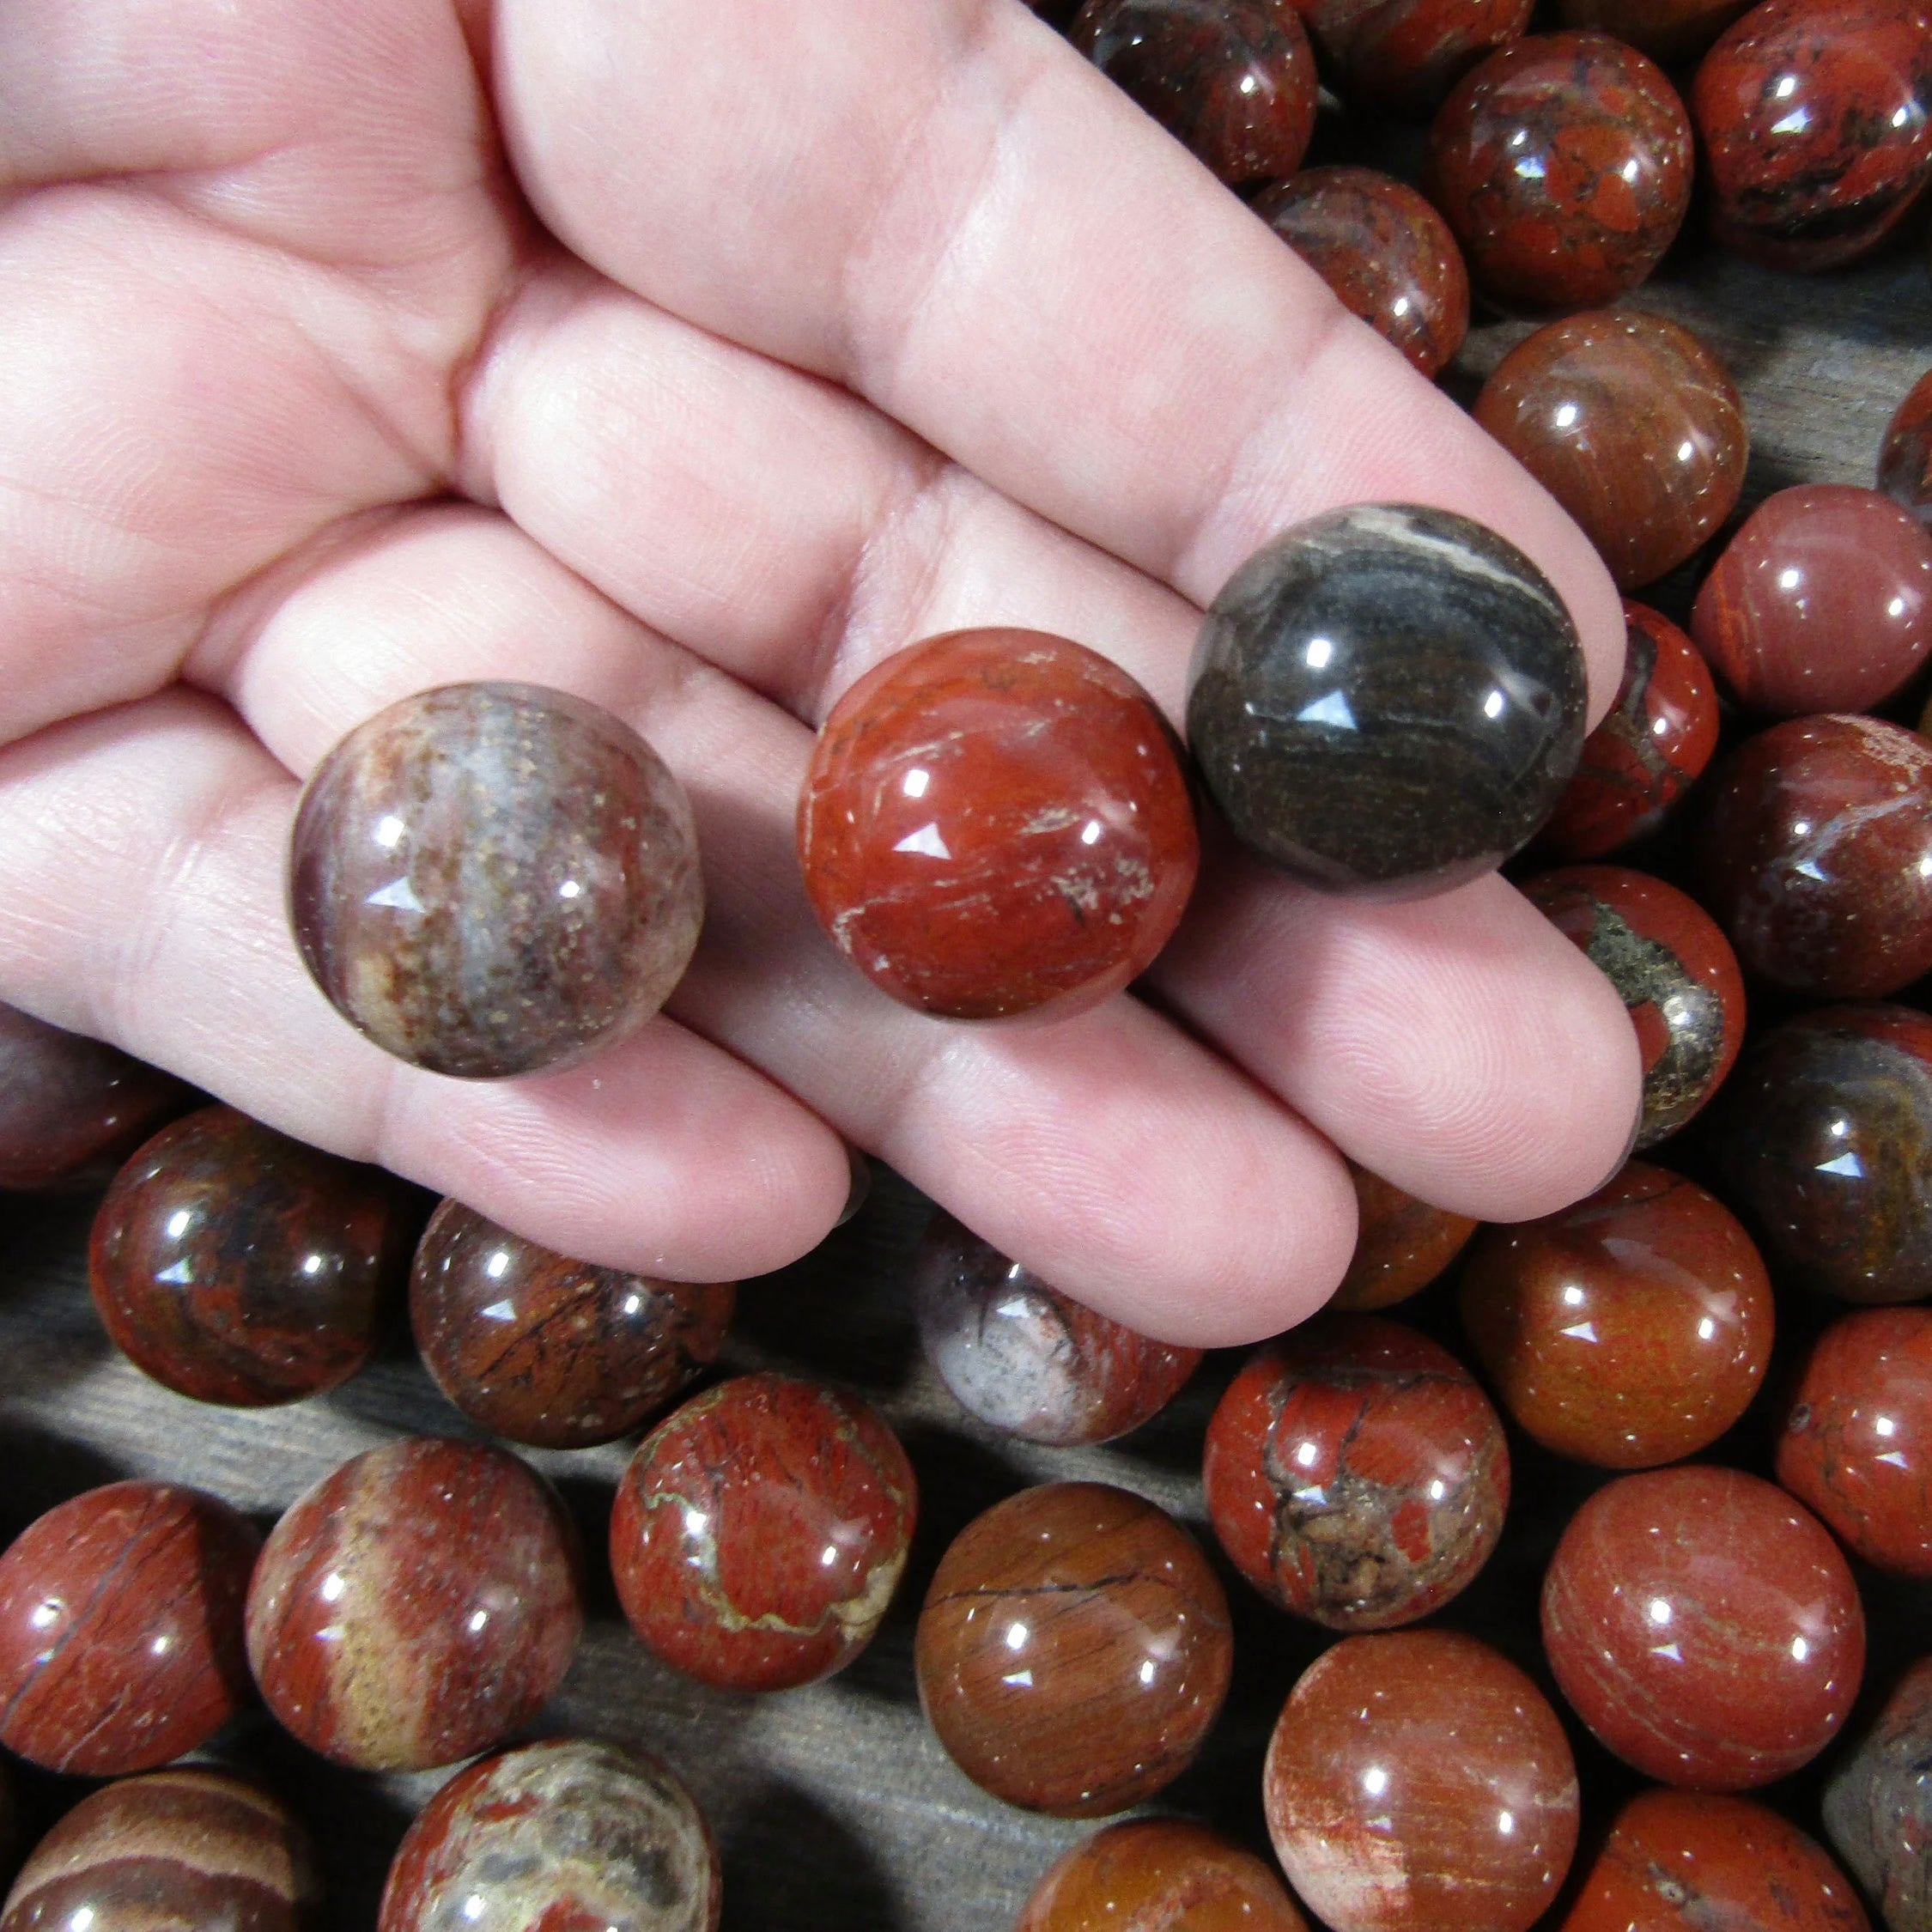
(834, 1806)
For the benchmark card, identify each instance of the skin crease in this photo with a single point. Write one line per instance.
(821, 379)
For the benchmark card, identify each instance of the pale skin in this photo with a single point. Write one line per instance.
(692, 355)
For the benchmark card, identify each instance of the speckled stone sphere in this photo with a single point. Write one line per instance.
(416, 1606)
(176, 1852)
(492, 879)
(1028, 1360)
(1401, 1245)
(1400, 57)
(541, 1349)
(1904, 464)
(571, 1834)
(1418, 1782)
(1671, 32)
(1158, 1874)
(1387, 701)
(1878, 1804)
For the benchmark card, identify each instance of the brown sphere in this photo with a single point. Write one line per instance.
(1401, 1245)
(1671, 32)
(1162, 1874)
(1400, 57)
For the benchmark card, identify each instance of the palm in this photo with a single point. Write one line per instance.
(831, 329)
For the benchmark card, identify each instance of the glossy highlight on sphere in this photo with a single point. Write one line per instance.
(1629, 1329)
(1074, 1649)
(1400, 57)
(1383, 250)
(176, 1848)
(1821, 602)
(1158, 1874)
(1418, 1782)
(492, 879)
(1905, 466)
(1563, 165)
(1401, 1245)
(760, 1532)
(1824, 1145)
(1673, 968)
(120, 1628)
(572, 1833)
(236, 1265)
(1234, 80)
(415, 1607)
(1638, 763)
(1387, 699)
(1815, 120)
(542, 1349)
(1857, 1444)
(1681, 1861)
(1878, 1804)
(1815, 854)
(1705, 1627)
(995, 822)
(1632, 425)
(1355, 1473)
(1028, 1360)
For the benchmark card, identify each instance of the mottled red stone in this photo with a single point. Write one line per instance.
(1355, 1473)
(1563, 165)
(1703, 1627)
(1234, 80)
(235, 1265)
(1673, 968)
(1821, 602)
(760, 1531)
(545, 1349)
(1904, 464)
(1856, 1444)
(572, 1835)
(1815, 120)
(1671, 32)
(1401, 1245)
(995, 822)
(1418, 1782)
(179, 1849)
(1633, 425)
(1158, 1874)
(72, 1108)
(1638, 763)
(415, 1607)
(1383, 250)
(1824, 1139)
(1695, 1861)
(120, 1628)
(1401, 56)
(1878, 1804)
(1631, 1329)
(1074, 1649)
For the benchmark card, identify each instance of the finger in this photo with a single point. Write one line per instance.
(943, 209)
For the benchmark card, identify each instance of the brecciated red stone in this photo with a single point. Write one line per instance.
(72, 1108)
(1028, 1360)
(1401, 1245)
(1632, 425)
(1671, 32)
(1400, 57)
(545, 1349)
(1857, 1444)
(1629, 1329)
(1233, 79)
(995, 822)
(1821, 602)
(1815, 119)
(1905, 466)
(1655, 744)
(1673, 968)
(1162, 1875)
(415, 1605)
(1823, 1142)
(1878, 1804)
(572, 1835)
(1418, 1782)
(1681, 1861)
(1074, 1649)
(1355, 1473)
(760, 1531)
(1563, 164)
(178, 1849)
(1705, 1627)
(235, 1265)
(120, 1628)
(1815, 854)
(1383, 250)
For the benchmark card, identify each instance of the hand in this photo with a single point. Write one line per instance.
(692, 356)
